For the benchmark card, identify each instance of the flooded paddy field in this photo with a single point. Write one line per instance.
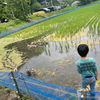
(58, 67)
(54, 62)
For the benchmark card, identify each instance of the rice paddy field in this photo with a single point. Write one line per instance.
(54, 62)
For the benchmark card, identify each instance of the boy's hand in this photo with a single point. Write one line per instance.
(96, 75)
(96, 78)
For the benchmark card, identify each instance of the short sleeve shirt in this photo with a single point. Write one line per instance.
(86, 67)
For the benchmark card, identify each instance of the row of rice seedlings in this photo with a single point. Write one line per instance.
(96, 21)
(95, 25)
(72, 22)
(91, 28)
(70, 31)
(98, 28)
(87, 24)
(91, 25)
(80, 25)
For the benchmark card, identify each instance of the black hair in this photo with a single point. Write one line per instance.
(82, 49)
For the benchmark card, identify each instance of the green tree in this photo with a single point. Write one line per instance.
(2, 10)
(84, 2)
(20, 7)
(36, 6)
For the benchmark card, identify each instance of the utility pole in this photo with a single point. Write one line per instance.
(51, 3)
(23, 8)
(45, 3)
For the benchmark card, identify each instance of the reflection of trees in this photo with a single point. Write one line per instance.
(7, 61)
(21, 47)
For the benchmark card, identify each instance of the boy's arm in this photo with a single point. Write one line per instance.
(96, 75)
(95, 70)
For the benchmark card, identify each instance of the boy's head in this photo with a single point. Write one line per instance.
(83, 49)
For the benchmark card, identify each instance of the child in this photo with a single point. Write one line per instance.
(87, 68)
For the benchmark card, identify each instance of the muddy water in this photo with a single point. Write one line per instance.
(57, 66)
(53, 63)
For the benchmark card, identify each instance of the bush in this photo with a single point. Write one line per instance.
(36, 6)
(17, 21)
(22, 18)
(13, 18)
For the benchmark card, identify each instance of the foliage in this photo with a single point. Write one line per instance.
(17, 21)
(98, 82)
(19, 8)
(2, 9)
(84, 2)
(69, 1)
(3, 12)
(36, 6)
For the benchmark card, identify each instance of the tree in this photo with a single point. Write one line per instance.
(35, 7)
(2, 12)
(1, 8)
(84, 2)
(20, 7)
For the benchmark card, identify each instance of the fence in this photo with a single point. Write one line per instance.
(42, 90)
(5, 33)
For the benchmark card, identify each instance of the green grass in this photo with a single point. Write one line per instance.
(64, 25)
(11, 25)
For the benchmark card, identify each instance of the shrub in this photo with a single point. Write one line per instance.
(17, 21)
(13, 18)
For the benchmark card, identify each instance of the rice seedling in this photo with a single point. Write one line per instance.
(48, 50)
(45, 51)
(55, 45)
(48, 44)
(66, 47)
(87, 42)
(44, 43)
(67, 44)
(75, 44)
(61, 47)
(91, 45)
(95, 50)
(72, 42)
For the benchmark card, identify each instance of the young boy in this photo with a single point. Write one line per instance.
(87, 68)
